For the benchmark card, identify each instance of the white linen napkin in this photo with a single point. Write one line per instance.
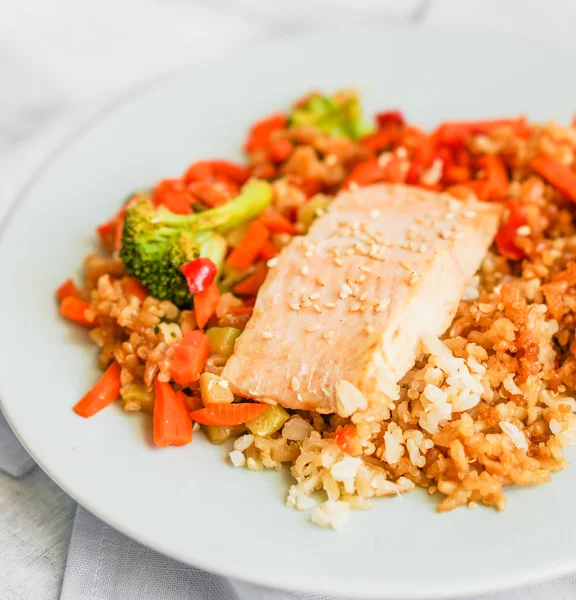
(14, 459)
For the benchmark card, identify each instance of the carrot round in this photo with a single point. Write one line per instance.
(68, 288)
(75, 309)
(205, 303)
(104, 392)
(171, 421)
(228, 415)
(249, 247)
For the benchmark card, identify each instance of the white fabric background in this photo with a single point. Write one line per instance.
(60, 60)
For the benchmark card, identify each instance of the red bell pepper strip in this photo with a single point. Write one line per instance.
(171, 421)
(199, 273)
(172, 194)
(390, 116)
(496, 176)
(557, 174)
(505, 237)
(104, 392)
(208, 170)
(228, 415)
(261, 132)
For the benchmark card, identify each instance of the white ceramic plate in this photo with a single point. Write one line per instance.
(187, 502)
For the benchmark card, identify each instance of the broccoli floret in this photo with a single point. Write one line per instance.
(338, 115)
(156, 242)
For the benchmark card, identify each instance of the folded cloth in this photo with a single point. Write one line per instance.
(104, 564)
(14, 460)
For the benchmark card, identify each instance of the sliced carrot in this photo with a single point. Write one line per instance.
(171, 422)
(205, 303)
(261, 132)
(557, 174)
(104, 392)
(249, 247)
(251, 285)
(228, 415)
(275, 222)
(133, 286)
(190, 356)
(496, 176)
(75, 309)
(68, 288)
(201, 170)
(268, 251)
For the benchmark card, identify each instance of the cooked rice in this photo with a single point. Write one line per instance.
(487, 406)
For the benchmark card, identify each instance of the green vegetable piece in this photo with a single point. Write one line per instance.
(339, 115)
(309, 211)
(217, 435)
(222, 340)
(137, 393)
(270, 421)
(156, 242)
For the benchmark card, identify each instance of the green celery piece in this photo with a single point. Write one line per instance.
(222, 340)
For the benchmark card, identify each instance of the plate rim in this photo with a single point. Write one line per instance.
(484, 584)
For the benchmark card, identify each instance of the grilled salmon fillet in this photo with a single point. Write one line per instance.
(339, 319)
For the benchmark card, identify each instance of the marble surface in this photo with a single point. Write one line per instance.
(60, 60)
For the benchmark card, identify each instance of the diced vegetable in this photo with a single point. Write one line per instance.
(557, 174)
(505, 237)
(248, 249)
(205, 170)
(228, 415)
(269, 421)
(390, 116)
(139, 395)
(280, 150)
(217, 435)
(222, 340)
(309, 211)
(235, 236)
(172, 194)
(213, 392)
(199, 273)
(190, 356)
(276, 222)
(205, 303)
(251, 285)
(106, 390)
(338, 115)
(75, 309)
(68, 288)
(132, 286)
(172, 423)
(344, 437)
